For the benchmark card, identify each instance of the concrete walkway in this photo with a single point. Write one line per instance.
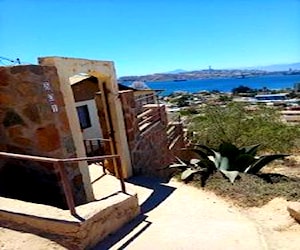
(179, 216)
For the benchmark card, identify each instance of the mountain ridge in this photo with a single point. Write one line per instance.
(182, 75)
(271, 67)
(278, 67)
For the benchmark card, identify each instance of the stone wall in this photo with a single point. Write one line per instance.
(33, 121)
(151, 154)
(131, 123)
(149, 149)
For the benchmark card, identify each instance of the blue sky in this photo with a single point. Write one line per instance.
(153, 36)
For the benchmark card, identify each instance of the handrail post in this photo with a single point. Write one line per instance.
(59, 164)
(99, 146)
(120, 174)
(91, 148)
(85, 146)
(66, 186)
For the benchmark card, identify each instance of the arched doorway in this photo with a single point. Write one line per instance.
(107, 102)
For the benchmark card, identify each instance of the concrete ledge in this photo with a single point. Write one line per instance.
(294, 209)
(95, 220)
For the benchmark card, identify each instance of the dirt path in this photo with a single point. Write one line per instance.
(178, 216)
(15, 240)
(278, 228)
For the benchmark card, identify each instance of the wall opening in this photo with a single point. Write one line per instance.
(84, 88)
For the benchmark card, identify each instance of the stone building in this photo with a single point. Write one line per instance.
(42, 113)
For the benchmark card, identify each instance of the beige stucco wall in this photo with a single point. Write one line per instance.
(104, 71)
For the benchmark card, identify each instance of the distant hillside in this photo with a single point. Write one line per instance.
(278, 67)
(182, 75)
(177, 71)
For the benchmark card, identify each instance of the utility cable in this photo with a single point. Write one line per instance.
(17, 61)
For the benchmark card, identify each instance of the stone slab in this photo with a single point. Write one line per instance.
(294, 210)
(110, 211)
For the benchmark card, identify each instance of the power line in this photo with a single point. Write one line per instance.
(17, 61)
(3, 63)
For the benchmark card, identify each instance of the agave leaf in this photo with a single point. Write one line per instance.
(177, 165)
(194, 162)
(262, 161)
(189, 172)
(231, 175)
(199, 152)
(247, 169)
(207, 164)
(213, 159)
(194, 153)
(229, 150)
(207, 149)
(242, 162)
(216, 158)
(224, 163)
(252, 150)
(182, 162)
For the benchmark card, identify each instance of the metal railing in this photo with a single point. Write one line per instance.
(174, 133)
(59, 165)
(150, 116)
(145, 99)
(94, 146)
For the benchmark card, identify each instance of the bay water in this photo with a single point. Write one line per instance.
(226, 84)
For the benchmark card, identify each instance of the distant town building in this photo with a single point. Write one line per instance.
(297, 87)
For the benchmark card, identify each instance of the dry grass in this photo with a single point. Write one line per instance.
(251, 190)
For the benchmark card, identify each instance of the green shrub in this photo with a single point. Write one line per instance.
(239, 125)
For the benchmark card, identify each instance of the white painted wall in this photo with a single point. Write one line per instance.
(95, 130)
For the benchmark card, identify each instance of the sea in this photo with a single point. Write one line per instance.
(226, 84)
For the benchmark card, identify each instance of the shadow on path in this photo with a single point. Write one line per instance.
(137, 226)
(159, 194)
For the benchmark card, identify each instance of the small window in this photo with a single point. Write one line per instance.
(84, 116)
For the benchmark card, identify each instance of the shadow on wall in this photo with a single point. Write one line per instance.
(27, 184)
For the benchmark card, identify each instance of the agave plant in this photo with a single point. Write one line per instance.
(194, 166)
(229, 160)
